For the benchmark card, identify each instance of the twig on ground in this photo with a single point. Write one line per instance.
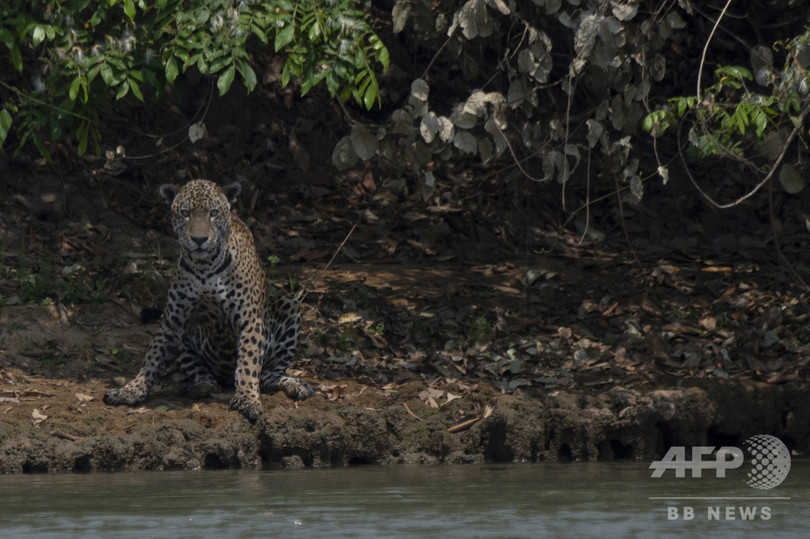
(410, 412)
(470, 422)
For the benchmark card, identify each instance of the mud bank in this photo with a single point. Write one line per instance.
(373, 426)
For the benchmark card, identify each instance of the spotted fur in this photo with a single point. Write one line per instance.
(219, 312)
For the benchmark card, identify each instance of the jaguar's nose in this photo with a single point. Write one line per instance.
(199, 240)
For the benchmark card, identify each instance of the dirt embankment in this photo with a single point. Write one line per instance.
(52, 418)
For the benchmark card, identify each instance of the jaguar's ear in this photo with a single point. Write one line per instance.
(169, 191)
(232, 191)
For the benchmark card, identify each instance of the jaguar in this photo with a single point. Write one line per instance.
(222, 322)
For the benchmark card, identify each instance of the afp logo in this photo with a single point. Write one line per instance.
(768, 458)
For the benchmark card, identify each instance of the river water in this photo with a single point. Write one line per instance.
(611, 499)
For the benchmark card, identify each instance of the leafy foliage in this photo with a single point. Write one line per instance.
(520, 106)
(563, 88)
(745, 115)
(127, 48)
(726, 121)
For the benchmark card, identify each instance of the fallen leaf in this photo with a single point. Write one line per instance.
(518, 382)
(421, 246)
(196, 132)
(368, 178)
(781, 378)
(333, 392)
(717, 269)
(430, 395)
(708, 323)
(348, 318)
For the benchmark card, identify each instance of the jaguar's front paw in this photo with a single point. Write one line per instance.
(123, 396)
(250, 408)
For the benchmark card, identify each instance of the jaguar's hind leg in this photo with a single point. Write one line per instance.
(279, 351)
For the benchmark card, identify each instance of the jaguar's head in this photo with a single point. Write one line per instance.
(201, 215)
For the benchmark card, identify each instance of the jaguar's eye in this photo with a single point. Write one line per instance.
(213, 213)
(185, 214)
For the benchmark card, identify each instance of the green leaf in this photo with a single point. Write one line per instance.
(43, 150)
(202, 64)
(345, 93)
(226, 79)
(96, 140)
(92, 74)
(171, 70)
(248, 76)
(16, 58)
(284, 36)
(38, 35)
(382, 57)
(760, 121)
(371, 94)
(683, 104)
(74, 88)
(314, 31)
(81, 134)
(201, 16)
(191, 60)
(123, 89)
(5, 125)
(343, 72)
(736, 72)
(129, 9)
(376, 43)
(86, 89)
(219, 64)
(647, 124)
(332, 83)
(107, 74)
(96, 18)
(136, 90)
(116, 62)
(658, 119)
(259, 32)
(306, 85)
(181, 54)
(239, 52)
(285, 74)
(6, 37)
